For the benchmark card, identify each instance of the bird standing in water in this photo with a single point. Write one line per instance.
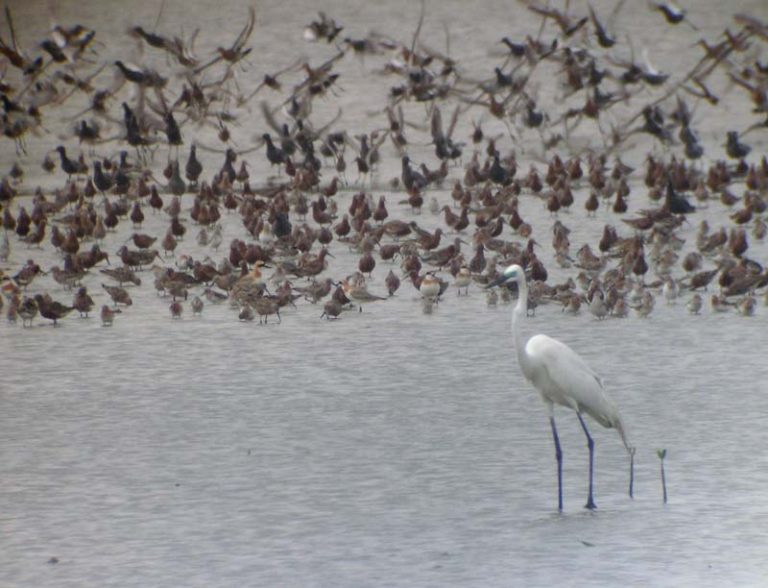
(562, 377)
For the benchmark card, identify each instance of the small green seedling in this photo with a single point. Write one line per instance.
(662, 453)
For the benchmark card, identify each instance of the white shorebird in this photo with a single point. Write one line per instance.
(670, 290)
(562, 377)
(430, 287)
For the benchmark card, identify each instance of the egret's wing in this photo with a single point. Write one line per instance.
(566, 379)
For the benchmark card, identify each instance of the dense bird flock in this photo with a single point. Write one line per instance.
(166, 138)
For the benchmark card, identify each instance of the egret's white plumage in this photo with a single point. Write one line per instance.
(562, 377)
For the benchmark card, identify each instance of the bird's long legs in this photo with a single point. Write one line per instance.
(591, 445)
(559, 457)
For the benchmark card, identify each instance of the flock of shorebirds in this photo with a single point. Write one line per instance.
(292, 223)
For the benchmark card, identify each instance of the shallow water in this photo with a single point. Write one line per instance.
(388, 448)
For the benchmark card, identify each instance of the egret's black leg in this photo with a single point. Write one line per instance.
(631, 472)
(591, 445)
(559, 457)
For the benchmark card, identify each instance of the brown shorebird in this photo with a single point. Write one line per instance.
(396, 228)
(392, 282)
(142, 240)
(197, 305)
(176, 308)
(702, 279)
(331, 310)
(442, 257)
(309, 266)
(357, 292)
(83, 303)
(118, 295)
(108, 315)
(137, 258)
(265, 306)
(27, 310)
(122, 275)
(316, 291)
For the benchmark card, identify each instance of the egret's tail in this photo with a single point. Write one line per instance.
(619, 426)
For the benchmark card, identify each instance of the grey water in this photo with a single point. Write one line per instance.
(390, 447)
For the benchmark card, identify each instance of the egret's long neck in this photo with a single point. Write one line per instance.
(518, 313)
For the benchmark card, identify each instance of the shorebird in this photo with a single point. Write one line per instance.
(197, 305)
(27, 310)
(51, 309)
(316, 291)
(392, 282)
(83, 303)
(720, 304)
(597, 306)
(562, 377)
(122, 275)
(357, 292)
(176, 308)
(108, 315)
(695, 303)
(462, 280)
(735, 148)
(430, 287)
(746, 306)
(670, 290)
(118, 295)
(331, 310)
(265, 306)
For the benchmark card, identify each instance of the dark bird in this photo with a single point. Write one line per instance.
(193, 168)
(102, 181)
(137, 215)
(69, 166)
(672, 13)
(132, 128)
(83, 303)
(172, 130)
(51, 309)
(516, 49)
(605, 41)
(176, 185)
(654, 123)
(498, 174)
(677, 203)
(735, 148)
(275, 155)
(412, 180)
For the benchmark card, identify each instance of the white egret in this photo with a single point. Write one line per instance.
(562, 377)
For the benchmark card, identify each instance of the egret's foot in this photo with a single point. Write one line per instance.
(590, 504)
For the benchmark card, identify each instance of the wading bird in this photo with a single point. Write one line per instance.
(562, 377)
